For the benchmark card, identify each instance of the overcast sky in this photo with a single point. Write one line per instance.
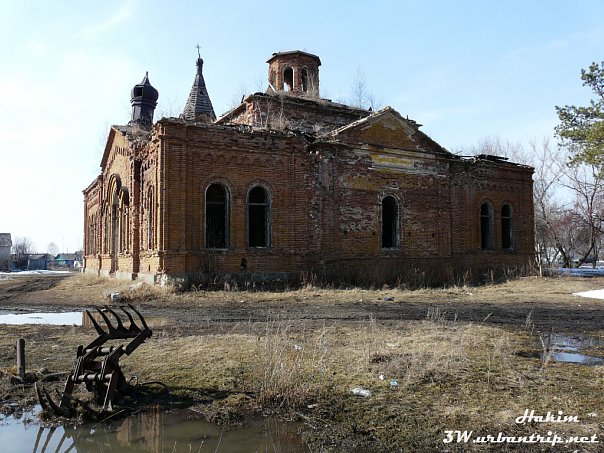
(465, 70)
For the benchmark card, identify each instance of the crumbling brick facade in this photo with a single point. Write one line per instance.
(289, 184)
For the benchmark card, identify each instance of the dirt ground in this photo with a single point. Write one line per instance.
(461, 357)
(549, 301)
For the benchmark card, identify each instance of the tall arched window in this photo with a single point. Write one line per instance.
(389, 223)
(288, 79)
(217, 217)
(507, 227)
(150, 219)
(258, 208)
(486, 226)
(123, 227)
(304, 79)
(124, 221)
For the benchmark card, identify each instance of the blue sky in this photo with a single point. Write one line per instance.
(464, 69)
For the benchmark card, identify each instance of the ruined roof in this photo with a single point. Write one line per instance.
(199, 105)
(422, 141)
(294, 52)
(5, 240)
(332, 114)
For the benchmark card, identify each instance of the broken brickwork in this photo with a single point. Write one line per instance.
(288, 184)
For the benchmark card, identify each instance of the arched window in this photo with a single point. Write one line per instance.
(217, 217)
(106, 221)
(150, 219)
(124, 221)
(389, 223)
(304, 79)
(123, 227)
(258, 208)
(288, 79)
(486, 226)
(507, 227)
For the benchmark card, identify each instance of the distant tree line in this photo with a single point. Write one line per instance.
(568, 190)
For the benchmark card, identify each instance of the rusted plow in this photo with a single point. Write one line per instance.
(97, 365)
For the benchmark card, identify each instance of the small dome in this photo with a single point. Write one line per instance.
(144, 91)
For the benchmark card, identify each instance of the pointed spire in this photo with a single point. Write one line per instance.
(199, 106)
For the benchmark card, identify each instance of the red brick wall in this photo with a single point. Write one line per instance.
(326, 204)
(326, 200)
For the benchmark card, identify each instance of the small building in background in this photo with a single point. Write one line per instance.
(5, 245)
(39, 261)
(65, 261)
(79, 260)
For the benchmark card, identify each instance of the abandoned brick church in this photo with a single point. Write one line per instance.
(289, 184)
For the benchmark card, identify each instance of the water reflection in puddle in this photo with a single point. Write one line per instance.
(69, 318)
(566, 348)
(151, 432)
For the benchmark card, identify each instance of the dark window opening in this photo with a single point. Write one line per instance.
(507, 236)
(138, 92)
(486, 226)
(304, 79)
(216, 217)
(389, 223)
(288, 79)
(258, 218)
(150, 220)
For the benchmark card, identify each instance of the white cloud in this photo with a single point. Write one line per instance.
(118, 17)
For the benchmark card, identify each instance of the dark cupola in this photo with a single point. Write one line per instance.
(199, 106)
(143, 98)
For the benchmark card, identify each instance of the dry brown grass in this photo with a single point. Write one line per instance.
(450, 374)
(87, 289)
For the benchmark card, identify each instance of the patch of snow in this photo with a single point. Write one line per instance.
(582, 272)
(594, 294)
(36, 272)
(68, 318)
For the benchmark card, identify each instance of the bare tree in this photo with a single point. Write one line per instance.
(361, 97)
(548, 210)
(551, 217)
(169, 108)
(22, 248)
(586, 183)
(239, 96)
(52, 249)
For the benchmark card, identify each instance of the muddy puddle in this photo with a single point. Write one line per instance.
(569, 348)
(152, 431)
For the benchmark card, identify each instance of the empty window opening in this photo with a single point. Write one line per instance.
(389, 223)
(507, 235)
(258, 217)
(304, 79)
(123, 229)
(217, 217)
(150, 220)
(288, 79)
(486, 226)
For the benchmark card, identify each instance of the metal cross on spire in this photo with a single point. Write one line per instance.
(198, 54)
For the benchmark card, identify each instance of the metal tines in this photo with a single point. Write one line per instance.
(97, 365)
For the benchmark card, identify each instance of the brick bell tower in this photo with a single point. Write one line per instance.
(295, 72)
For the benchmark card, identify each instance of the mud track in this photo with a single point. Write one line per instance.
(214, 311)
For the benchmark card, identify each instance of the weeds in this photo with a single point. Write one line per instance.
(529, 325)
(547, 352)
(290, 371)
